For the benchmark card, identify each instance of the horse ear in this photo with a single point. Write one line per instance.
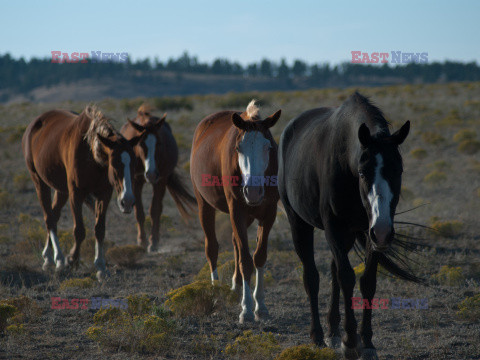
(136, 126)
(401, 134)
(238, 121)
(160, 122)
(106, 141)
(272, 119)
(364, 135)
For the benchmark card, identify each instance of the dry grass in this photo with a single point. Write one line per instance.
(126, 255)
(250, 346)
(307, 352)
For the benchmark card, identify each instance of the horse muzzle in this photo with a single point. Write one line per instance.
(152, 176)
(253, 195)
(381, 236)
(125, 204)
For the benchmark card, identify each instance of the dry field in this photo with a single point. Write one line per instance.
(442, 173)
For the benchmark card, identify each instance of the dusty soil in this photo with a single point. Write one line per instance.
(433, 333)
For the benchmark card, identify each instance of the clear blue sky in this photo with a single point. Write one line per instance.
(242, 30)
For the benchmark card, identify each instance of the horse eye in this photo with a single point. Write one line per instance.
(362, 176)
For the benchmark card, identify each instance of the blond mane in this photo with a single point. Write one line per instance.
(253, 111)
(101, 125)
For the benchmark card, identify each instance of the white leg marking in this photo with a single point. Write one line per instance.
(380, 197)
(100, 261)
(57, 252)
(214, 275)
(127, 179)
(247, 304)
(259, 294)
(47, 254)
(150, 164)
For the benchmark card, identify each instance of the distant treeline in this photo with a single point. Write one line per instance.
(20, 76)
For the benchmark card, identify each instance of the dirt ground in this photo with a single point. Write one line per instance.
(450, 196)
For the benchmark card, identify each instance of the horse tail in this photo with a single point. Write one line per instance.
(184, 200)
(393, 261)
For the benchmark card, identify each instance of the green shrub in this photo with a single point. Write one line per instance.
(21, 182)
(448, 228)
(449, 275)
(200, 298)
(165, 103)
(307, 352)
(431, 137)
(84, 283)
(6, 313)
(142, 328)
(250, 346)
(418, 153)
(469, 309)
(465, 134)
(126, 255)
(469, 147)
(435, 177)
(452, 119)
(440, 165)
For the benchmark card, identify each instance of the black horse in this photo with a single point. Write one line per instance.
(340, 170)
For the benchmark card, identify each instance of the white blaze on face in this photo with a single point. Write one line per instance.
(253, 154)
(127, 193)
(380, 197)
(150, 142)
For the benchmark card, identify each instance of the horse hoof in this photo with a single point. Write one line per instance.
(101, 275)
(369, 354)
(47, 265)
(333, 342)
(61, 265)
(261, 314)
(152, 249)
(352, 353)
(246, 317)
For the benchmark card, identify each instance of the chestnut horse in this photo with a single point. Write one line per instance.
(78, 156)
(157, 156)
(230, 145)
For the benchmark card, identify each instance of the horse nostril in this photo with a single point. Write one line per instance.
(122, 202)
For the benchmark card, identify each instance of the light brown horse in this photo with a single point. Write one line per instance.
(232, 146)
(157, 156)
(78, 156)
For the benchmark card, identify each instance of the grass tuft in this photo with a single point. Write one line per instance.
(469, 309)
(250, 346)
(307, 352)
(449, 276)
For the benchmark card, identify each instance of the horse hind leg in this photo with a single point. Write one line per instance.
(206, 214)
(156, 209)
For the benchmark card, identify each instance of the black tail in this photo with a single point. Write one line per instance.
(390, 261)
(185, 201)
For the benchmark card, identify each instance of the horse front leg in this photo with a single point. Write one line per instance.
(340, 242)
(368, 284)
(333, 319)
(259, 260)
(239, 226)
(76, 201)
(155, 212)
(101, 207)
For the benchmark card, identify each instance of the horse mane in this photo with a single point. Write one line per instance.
(145, 108)
(99, 124)
(374, 115)
(253, 111)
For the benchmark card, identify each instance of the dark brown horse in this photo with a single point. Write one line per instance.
(232, 145)
(157, 156)
(78, 156)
